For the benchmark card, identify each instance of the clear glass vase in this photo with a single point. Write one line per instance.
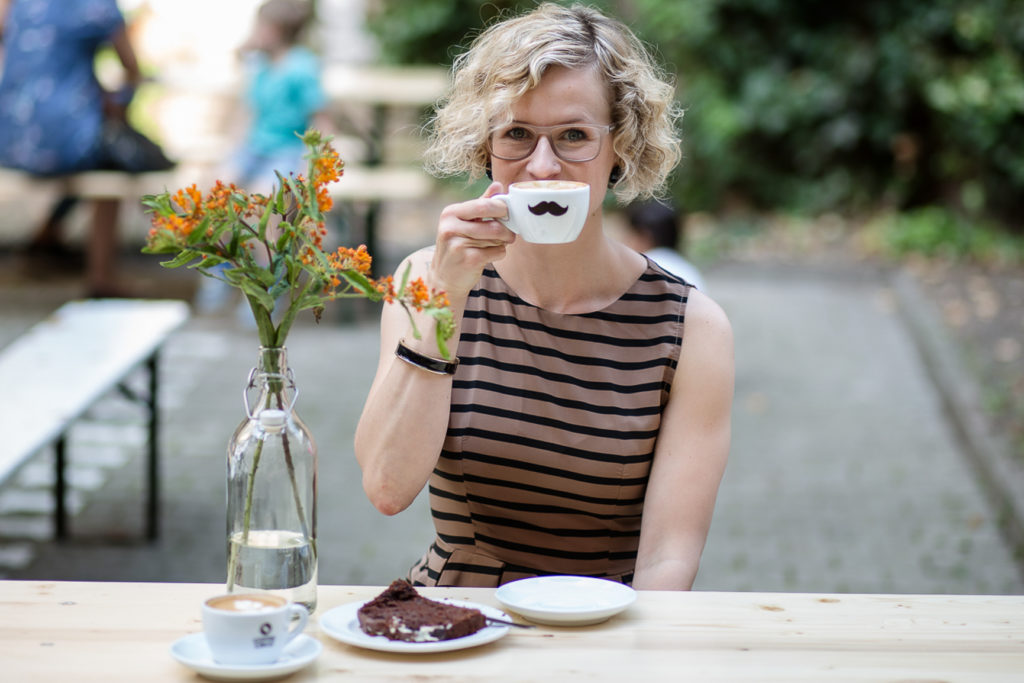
(271, 492)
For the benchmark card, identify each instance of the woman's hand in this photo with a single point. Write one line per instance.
(468, 238)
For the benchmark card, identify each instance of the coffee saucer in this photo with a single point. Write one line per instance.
(193, 652)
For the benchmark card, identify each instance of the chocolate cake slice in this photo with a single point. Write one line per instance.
(400, 613)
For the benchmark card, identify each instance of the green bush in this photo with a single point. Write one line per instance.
(811, 106)
(936, 231)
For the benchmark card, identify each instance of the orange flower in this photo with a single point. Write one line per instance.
(419, 294)
(323, 199)
(327, 167)
(386, 286)
(347, 258)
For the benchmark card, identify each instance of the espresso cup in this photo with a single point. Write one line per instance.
(546, 211)
(251, 628)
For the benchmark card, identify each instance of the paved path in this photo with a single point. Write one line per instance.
(844, 474)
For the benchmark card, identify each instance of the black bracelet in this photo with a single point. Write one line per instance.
(437, 366)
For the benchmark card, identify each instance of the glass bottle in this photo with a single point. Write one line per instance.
(271, 492)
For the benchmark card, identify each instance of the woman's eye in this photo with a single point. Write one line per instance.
(574, 135)
(517, 134)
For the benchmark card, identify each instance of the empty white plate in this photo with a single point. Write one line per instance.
(566, 600)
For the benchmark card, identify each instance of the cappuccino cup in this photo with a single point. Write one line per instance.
(546, 211)
(251, 628)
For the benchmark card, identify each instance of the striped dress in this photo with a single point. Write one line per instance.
(551, 435)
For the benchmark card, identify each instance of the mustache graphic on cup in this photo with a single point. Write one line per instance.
(546, 211)
(541, 208)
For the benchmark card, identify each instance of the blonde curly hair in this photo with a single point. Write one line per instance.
(510, 57)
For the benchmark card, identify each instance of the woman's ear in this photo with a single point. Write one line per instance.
(615, 176)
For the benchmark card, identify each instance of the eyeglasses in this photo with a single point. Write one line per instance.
(572, 142)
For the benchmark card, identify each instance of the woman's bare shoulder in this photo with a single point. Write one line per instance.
(705, 317)
(419, 261)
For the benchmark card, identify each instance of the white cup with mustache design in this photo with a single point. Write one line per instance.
(546, 211)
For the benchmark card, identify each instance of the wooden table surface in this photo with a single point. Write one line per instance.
(65, 631)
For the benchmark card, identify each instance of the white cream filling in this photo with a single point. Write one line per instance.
(423, 634)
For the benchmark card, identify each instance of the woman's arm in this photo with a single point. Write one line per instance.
(126, 53)
(402, 427)
(691, 452)
(115, 104)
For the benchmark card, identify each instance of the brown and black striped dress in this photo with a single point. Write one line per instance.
(551, 436)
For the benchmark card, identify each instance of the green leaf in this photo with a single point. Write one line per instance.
(361, 283)
(444, 327)
(184, 258)
(217, 231)
(287, 231)
(264, 220)
(405, 277)
(160, 203)
(441, 340)
(209, 262)
(279, 197)
(198, 234)
(264, 277)
(236, 240)
(253, 290)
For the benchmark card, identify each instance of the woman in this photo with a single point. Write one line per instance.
(581, 432)
(56, 118)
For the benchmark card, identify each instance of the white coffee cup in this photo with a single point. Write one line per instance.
(251, 628)
(546, 211)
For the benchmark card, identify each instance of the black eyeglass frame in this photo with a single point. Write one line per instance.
(545, 131)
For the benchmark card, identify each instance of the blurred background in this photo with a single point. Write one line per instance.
(832, 146)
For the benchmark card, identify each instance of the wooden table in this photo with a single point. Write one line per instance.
(59, 631)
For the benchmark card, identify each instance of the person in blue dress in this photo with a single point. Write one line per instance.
(56, 118)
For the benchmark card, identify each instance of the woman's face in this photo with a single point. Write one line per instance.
(564, 96)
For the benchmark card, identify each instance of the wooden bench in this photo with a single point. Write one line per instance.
(61, 366)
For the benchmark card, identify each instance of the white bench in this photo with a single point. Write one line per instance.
(87, 184)
(61, 366)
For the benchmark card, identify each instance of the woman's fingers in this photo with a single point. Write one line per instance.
(469, 237)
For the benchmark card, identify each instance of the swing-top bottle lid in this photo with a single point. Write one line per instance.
(271, 419)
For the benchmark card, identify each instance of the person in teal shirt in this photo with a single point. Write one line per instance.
(284, 95)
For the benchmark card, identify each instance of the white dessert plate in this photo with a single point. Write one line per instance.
(566, 600)
(193, 652)
(342, 623)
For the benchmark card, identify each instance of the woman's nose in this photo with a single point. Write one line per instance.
(543, 162)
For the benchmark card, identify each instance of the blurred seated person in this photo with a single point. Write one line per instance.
(654, 231)
(56, 118)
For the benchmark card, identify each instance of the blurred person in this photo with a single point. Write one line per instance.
(653, 230)
(56, 118)
(283, 97)
(583, 427)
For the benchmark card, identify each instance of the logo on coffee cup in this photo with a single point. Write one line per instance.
(267, 640)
